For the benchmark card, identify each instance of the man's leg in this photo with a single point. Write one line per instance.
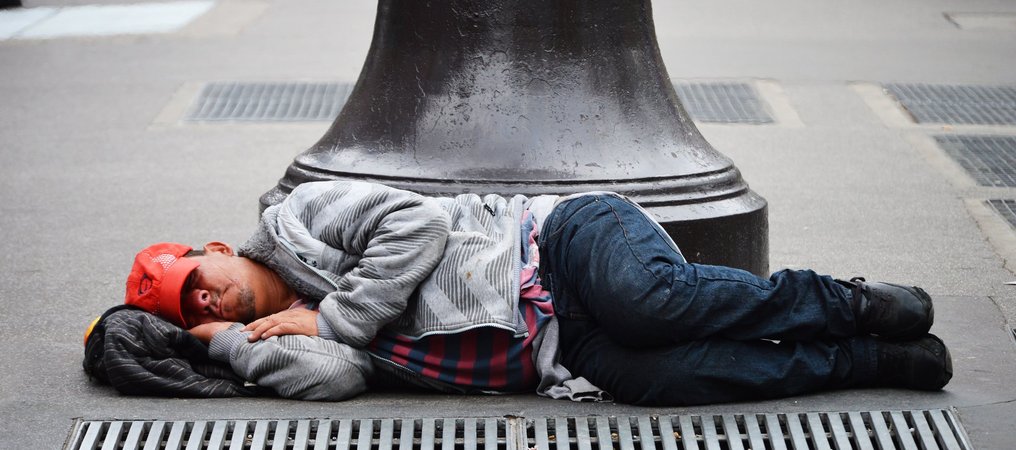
(619, 269)
(641, 322)
(715, 369)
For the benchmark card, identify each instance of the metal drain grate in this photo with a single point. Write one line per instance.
(1004, 208)
(485, 434)
(284, 102)
(862, 430)
(269, 102)
(722, 102)
(957, 104)
(925, 429)
(990, 160)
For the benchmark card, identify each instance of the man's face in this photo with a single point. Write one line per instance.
(221, 290)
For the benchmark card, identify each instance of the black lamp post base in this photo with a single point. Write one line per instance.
(532, 97)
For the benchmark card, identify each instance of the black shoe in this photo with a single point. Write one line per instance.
(921, 364)
(891, 311)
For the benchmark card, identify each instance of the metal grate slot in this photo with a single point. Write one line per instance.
(990, 160)
(957, 104)
(269, 102)
(861, 430)
(722, 102)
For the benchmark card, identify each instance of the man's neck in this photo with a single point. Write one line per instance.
(278, 296)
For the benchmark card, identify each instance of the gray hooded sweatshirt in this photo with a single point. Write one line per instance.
(372, 256)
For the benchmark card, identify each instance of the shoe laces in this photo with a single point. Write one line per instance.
(860, 301)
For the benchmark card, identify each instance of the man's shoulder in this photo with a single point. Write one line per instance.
(346, 191)
(352, 201)
(338, 187)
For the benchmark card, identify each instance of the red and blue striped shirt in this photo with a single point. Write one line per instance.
(486, 358)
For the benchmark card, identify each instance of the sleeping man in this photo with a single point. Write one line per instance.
(579, 297)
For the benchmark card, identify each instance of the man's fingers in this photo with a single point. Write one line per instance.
(259, 327)
(281, 329)
(287, 322)
(272, 327)
(251, 326)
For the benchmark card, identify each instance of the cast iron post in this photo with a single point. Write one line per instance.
(535, 97)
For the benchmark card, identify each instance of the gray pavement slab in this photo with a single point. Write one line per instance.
(95, 163)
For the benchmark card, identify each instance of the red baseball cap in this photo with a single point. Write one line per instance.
(157, 278)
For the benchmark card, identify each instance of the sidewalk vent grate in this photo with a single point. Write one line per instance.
(927, 429)
(990, 160)
(1004, 208)
(722, 102)
(957, 104)
(286, 102)
(269, 102)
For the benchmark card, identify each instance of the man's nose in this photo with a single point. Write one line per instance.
(202, 298)
(197, 307)
(198, 301)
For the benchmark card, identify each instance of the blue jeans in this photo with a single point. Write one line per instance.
(642, 323)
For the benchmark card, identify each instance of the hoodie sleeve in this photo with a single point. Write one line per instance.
(295, 366)
(381, 242)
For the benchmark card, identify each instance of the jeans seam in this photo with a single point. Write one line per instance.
(656, 227)
(735, 280)
(627, 242)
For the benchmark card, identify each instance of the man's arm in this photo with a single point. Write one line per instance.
(294, 366)
(398, 237)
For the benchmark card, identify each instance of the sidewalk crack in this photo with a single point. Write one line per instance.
(1001, 402)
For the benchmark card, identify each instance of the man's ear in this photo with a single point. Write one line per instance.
(219, 247)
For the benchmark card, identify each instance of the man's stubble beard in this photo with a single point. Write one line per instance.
(246, 299)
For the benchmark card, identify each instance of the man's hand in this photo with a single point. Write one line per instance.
(205, 331)
(291, 321)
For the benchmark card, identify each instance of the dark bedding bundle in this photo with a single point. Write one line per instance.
(141, 354)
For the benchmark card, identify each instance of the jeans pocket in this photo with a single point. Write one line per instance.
(564, 305)
(562, 215)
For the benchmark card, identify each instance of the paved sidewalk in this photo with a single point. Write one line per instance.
(96, 162)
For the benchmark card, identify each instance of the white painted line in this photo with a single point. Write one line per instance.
(999, 233)
(109, 20)
(13, 21)
(940, 160)
(884, 106)
(771, 93)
